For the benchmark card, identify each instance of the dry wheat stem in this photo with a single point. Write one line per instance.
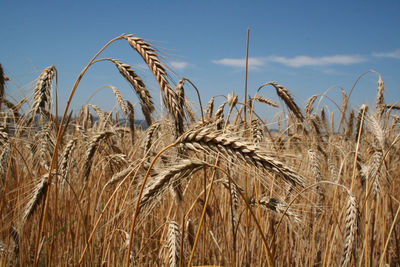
(59, 137)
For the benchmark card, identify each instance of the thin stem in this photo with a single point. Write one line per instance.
(55, 152)
(139, 198)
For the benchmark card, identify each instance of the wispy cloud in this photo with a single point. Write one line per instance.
(295, 62)
(254, 62)
(394, 54)
(302, 61)
(179, 65)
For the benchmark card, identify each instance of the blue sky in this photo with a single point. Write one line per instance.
(307, 46)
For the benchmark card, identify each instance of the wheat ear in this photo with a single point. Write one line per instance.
(93, 144)
(266, 101)
(42, 97)
(350, 229)
(173, 243)
(285, 95)
(380, 103)
(258, 134)
(36, 197)
(167, 178)
(235, 147)
(210, 108)
(309, 105)
(151, 131)
(360, 119)
(150, 57)
(136, 82)
(120, 100)
(277, 206)
(65, 157)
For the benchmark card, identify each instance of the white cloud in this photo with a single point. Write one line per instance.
(179, 65)
(301, 61)
(295, 62)
(254, 62)
(394, 54)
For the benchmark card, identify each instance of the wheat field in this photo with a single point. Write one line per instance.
(200, 186)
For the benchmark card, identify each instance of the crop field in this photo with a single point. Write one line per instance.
(201, 185)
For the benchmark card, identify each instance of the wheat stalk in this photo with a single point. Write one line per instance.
(189, 230)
